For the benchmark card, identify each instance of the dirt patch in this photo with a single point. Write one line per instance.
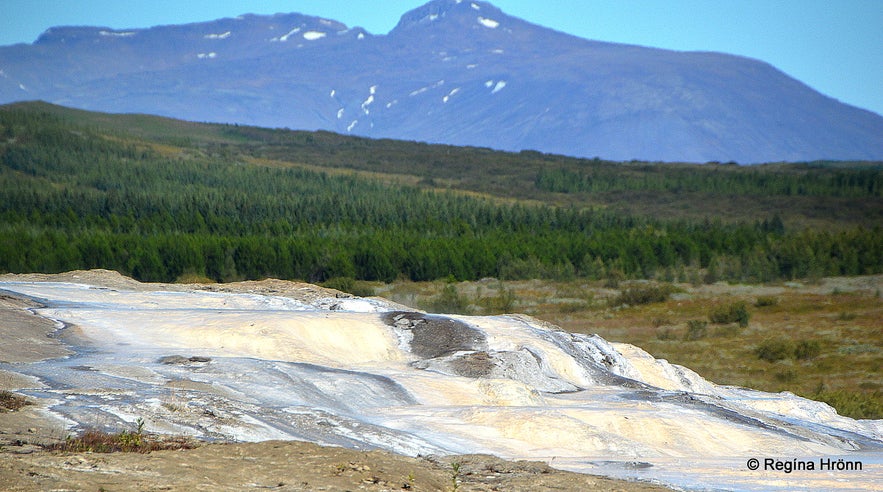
(285, 465)
(26, 336)
(474, 364)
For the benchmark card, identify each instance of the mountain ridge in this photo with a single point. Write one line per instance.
(460, 73)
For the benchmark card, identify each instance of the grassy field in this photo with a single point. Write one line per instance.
(822, 340)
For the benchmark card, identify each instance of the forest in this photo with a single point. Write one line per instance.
(158, 199)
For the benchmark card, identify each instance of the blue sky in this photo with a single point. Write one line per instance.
(834, 46)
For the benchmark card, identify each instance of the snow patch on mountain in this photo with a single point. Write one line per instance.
(451, 94)
(117, 34)
(223, 35)
(367, 103)
(424, 89)
(490, 23)
(285, 37)
(314, 35)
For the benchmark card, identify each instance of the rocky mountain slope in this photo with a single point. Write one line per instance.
(452, 71)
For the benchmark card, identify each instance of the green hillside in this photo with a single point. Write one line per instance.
(157, 199)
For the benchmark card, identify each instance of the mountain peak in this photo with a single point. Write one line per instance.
(460, 72)
(459, 11)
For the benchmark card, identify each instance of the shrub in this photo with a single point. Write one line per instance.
(643, 294)
(349, 285)
(772, 350)
(696, 329)
(665, 334)
(94, 441)
(766, 301)
(449, 301)
(502, 303)
(191, 277)
(807, 349)
(736, 312)
(786, 376)
(10, 402)
(852, 404)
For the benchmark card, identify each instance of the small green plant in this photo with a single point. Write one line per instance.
(455, 476)
(411, 479)
(736, 312)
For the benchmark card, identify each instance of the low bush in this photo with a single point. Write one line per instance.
(807, 349)
(852, 404)
(10, 402)
(774, 349)
(666, 334)
(696, 329)
(95, 441)
(736, 312)
(449, 301)
(643, 294)
(349, 285)
(766, 301)
(504, 302)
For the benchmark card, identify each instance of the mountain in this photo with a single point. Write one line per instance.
(451, 71)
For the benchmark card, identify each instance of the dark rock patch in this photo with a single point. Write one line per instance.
(436, 336)
(183, 361)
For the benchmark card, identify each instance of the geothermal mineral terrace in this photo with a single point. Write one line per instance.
(306, 364)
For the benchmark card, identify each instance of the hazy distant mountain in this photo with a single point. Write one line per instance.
(451, 71)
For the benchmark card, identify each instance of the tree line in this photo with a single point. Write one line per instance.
(77, 197)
